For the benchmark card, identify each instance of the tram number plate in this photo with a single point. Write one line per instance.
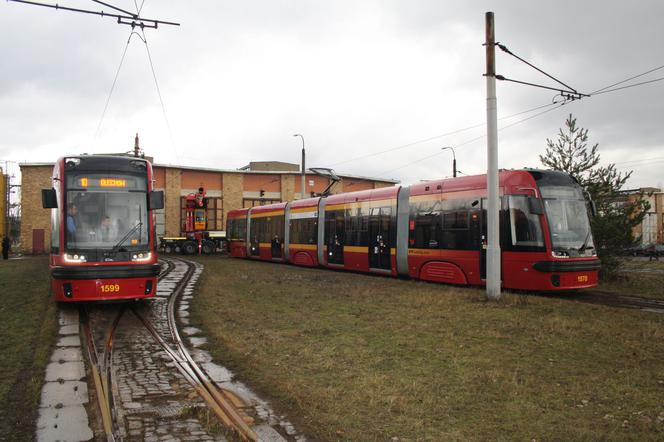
(110, 288)
(582, 278)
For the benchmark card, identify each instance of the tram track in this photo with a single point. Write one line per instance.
(220, 402)
(101, 369)
(610, 299)
(155, 321)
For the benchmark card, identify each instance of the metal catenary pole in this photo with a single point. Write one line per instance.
(493, 246)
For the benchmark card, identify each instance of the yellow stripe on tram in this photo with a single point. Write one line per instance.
(266, 214)
(303, 246)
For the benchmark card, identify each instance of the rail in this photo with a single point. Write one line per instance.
(223, 407)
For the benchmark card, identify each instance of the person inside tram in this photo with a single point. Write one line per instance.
(276, 246)
(72, 212)
(105, 228)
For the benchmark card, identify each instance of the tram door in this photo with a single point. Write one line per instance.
(479, 232)
(276, 225)
(335, 236)
(254, 243)
(379, 238)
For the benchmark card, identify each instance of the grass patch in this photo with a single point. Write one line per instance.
(28, 326)
(207, 418)
(356, 357)
(639, 277)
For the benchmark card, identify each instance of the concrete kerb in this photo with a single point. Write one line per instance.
(62, 414)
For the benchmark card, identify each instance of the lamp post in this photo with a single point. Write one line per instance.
(302, 188)
(454, 171)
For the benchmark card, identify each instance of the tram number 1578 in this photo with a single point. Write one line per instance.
(110, 288)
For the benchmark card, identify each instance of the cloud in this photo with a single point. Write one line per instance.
(239, 78)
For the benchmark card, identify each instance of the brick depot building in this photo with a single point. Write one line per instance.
(258, 183)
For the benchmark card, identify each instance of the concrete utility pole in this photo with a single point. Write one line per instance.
(304, 169)
(493, 246)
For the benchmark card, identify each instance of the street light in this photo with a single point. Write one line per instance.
(303, 167)
(454, 171)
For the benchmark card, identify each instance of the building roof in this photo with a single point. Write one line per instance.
(258, 172)
(271, 166)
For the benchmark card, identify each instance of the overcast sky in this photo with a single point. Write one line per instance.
(239, 78)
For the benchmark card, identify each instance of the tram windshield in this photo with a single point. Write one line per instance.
(106, 212)
(567, 215)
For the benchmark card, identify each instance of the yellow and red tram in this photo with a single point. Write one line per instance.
(434, 231)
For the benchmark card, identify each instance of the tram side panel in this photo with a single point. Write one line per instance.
(302, 226)
(437, 232)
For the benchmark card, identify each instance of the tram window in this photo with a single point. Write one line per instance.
(441, 225)
(455, 220)
(237, 229)
(334, 227)
(525, 227)
(55, 229)
(303, 231)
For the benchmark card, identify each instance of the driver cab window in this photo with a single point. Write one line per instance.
(526, 229)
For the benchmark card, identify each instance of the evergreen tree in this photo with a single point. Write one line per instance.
(616, 214)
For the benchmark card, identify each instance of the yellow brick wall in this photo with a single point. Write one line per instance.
(33, 216)
(378, 185)
(172, 202)
(288, 187)
(233, 186)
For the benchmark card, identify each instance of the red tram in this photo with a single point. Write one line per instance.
(102, 228)
(434, 231)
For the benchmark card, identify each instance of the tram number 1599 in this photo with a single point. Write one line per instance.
(110, 288)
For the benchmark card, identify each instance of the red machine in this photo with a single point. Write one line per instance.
(102, 228)
(435, 231)
(195, 223)
(196, 238)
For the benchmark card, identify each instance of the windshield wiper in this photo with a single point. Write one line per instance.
(127, 235)
(584, 246)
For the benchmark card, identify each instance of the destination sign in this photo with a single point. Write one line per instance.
(109, 182)
(103, 182)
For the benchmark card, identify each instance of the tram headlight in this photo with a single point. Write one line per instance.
(74, 258)
(141, 256)
(559, 254)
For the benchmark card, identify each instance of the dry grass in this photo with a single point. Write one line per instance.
(356, 357)
(28, 327)
(639, 277)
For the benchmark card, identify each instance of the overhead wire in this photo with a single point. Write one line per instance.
(606, 91)
(628, 79)
(446, 134)
(481, 137)
(138, 10)
(161, 100)
(108, 99)
(566, 99)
